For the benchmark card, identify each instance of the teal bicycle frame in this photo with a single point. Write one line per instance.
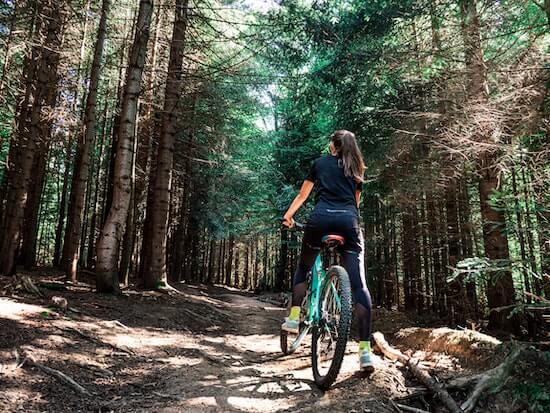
(313, 297)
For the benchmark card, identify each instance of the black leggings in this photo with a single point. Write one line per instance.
(345, 223)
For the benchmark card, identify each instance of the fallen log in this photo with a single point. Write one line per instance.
(413, 365)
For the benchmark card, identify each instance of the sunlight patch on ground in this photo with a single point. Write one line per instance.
(54, 340)
(201, 402)
(217, 340)
(139, 342)
(181, 361)
(241, 379)
(269, 388)
(260, 343)
(14, 310)
(272, 308)
(249, 404)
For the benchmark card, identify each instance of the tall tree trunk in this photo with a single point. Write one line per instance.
(410, 270)
(146, 136)
(158, 206)
(426, 255)
(467, 235)
(111, 235)
(417, 275)
(237, 280)
(63, 207)
(62, 204)
(71, 244)
(266, 258)
(256, 263)
(95, 202)
(6, 62)
(229, 262)
(211, 260)
(437, 273)
(454, 287)
(521, 238)
(30, 126)
(32, 208)
(129, 236)
(246, 278)
(179, 242)
(23, 105)
(500, 289)
(379, 263)
(530, 240)
(221, 262)
(395, 260)
(282, 263)
(115, 130)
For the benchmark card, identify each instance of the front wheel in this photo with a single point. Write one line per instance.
(330, 335)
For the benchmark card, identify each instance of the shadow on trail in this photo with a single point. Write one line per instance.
(207, 350)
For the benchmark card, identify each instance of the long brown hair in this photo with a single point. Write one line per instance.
(349, 154)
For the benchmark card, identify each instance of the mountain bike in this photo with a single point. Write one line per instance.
(326, 312)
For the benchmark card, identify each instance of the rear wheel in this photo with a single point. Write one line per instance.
(330, 336)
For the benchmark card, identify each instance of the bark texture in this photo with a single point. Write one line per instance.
(111, 235)
(34, 116)
(500, 288)
(158, 206)
(81, 171)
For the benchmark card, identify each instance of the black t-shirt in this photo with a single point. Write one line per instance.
(333, 189)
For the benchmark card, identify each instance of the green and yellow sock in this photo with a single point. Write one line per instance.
(294, 313)
(364, 345)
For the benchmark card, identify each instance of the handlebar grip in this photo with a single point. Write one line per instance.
(299, 225)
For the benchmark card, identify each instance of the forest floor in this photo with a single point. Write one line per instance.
(207, 349)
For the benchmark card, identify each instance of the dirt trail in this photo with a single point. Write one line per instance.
(207, 350)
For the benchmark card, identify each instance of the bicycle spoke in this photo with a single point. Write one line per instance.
(330, 334)
(329, 321)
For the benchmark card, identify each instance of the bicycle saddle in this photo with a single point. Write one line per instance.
(332, 240)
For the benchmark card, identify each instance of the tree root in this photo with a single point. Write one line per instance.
(424, 377)
(116, 323)
(169, 290)
(410, 409)
(192, 314)
(96, 340)
(25, 283)
(174, 292)
(463, 382)
(490, 378)
(60, 376)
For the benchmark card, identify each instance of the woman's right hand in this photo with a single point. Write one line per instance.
(288, 222)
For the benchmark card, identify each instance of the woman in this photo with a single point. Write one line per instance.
(337, 179)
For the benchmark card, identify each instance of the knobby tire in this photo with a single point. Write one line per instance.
(343, 329)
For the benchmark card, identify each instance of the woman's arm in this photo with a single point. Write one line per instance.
(358, 197)
(302, 196)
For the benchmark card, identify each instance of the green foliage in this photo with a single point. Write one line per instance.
(535, 391)
(536, 396)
